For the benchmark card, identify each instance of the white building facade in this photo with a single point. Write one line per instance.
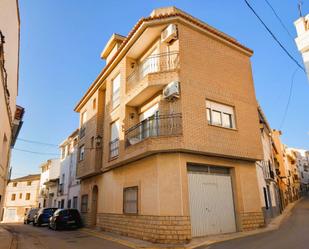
(69, 186)
(302, 39)
(266, 173)
(49, 184)
(21, 195)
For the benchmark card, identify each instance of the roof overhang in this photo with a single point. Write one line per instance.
(138, 30)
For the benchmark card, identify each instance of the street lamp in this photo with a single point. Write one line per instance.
(98, 141)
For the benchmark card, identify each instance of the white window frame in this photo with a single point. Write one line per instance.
(116, 91)
(81, 155)
(221, 109)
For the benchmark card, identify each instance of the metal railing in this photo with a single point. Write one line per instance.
(114, 148)
(155, 126)
(82, 132)
(152, 64)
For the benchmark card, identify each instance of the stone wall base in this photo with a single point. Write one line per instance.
(251, 221)
(156, 229)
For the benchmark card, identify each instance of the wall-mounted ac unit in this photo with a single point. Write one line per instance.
(171, 91)
(169, 34)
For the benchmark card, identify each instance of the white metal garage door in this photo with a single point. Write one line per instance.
(211, 203)
(11, 215)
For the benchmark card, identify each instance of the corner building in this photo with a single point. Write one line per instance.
(169, 134)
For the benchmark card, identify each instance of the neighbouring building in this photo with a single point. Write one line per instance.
(302, 163)
(169, 134)
(266, 172)
(21, 195)
(49, 184)
(69, 186)
(302, 39)
(294, 175)
(10, 114)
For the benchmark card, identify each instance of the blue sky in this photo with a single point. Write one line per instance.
(61, 42)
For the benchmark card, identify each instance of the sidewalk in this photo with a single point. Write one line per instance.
(6, 239)
(196, 242)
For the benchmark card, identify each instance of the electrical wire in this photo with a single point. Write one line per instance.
(36, 142)
(279, 19)
(274, 37)
(289, 99)
(36, 152)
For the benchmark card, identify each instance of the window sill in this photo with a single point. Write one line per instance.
(113, 158)
(222, 127)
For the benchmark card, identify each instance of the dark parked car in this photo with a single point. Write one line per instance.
(29, 215)
(43, 215)
(65, 218)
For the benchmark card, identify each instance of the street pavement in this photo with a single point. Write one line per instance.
(292, 234)
(30, 237)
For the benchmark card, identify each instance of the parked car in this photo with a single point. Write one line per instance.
(29, 215)
(43, 215)
(65, 218)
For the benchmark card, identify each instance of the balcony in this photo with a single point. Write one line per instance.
(82, 132)
(147, 78)
(155, 126)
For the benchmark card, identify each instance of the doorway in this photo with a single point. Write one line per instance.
(94, 205)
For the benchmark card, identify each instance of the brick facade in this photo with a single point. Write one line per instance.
(251, 220)
(157, 229)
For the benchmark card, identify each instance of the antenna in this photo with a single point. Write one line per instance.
(300, 4)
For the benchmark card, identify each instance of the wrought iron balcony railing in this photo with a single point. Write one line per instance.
(153, 64)
(155, 126)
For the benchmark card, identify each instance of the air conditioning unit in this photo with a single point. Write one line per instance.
(171, 91)
(169, 34)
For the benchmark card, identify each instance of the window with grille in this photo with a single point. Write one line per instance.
(84, 204)
(130, 200)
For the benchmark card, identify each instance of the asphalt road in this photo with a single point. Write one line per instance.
(292, 234)
(29, 237)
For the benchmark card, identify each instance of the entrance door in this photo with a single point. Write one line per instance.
(94, 205)
(211, 203)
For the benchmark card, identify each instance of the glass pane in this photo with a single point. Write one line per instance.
(208, 115)
(227, 120)
(216, 118)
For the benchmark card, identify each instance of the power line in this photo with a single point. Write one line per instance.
(279, 19)
(274, 37)
(35, 152)
(36, 142)
(289, 99)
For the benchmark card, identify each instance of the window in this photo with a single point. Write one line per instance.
(69, 203)
(265, 198)
(62, 152)
(130, 200)
(28, 196)
(75, 199)
(220, 115)
(94, 104)
(114, 140)
(13, 197)
(81, 153)
(84, 204)
(83, 118)
(62, 203)
(116, 91)
(20, 195)
(14, 184)
(29, 183)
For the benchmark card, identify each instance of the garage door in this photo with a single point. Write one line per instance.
(211, 200)
(11, 215)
